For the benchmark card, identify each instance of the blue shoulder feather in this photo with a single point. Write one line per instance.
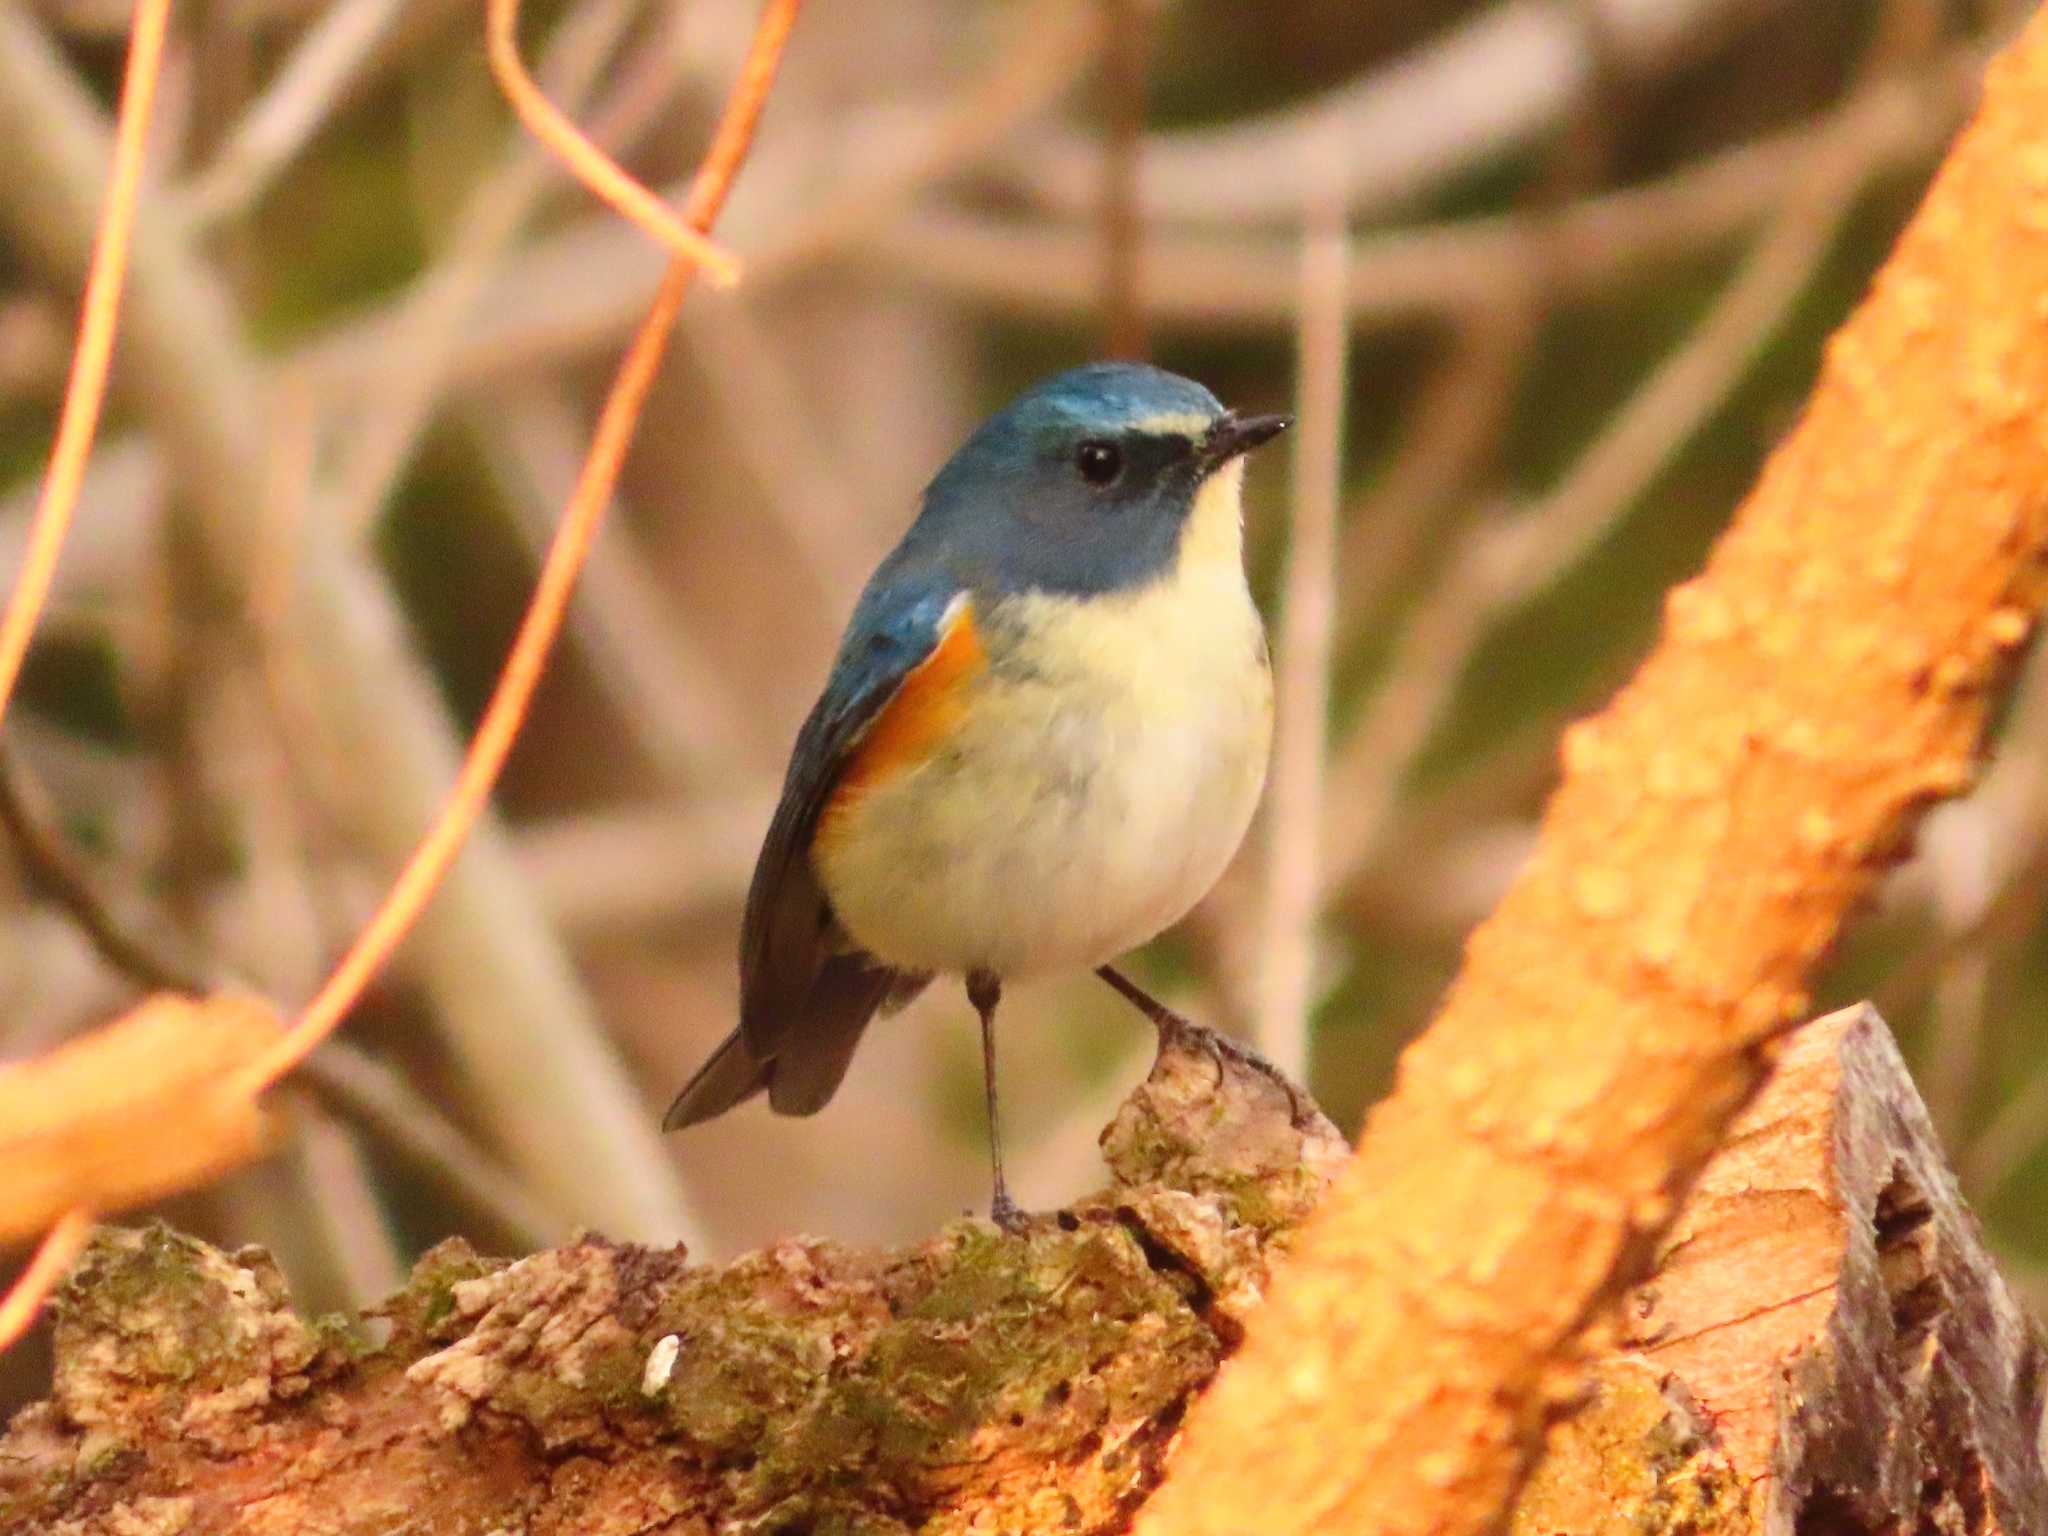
(788, 936)
(806, 991)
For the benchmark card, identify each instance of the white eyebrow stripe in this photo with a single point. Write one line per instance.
(1186, 423)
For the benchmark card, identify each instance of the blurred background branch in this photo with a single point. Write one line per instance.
(503, 988)
(1574, 263)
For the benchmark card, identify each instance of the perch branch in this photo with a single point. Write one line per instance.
(979, 1382)
(974, 1381)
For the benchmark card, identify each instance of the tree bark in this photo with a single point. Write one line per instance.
(1823, 1349)
(976, 1381)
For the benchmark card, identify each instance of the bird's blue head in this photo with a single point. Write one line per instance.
(1085, 483)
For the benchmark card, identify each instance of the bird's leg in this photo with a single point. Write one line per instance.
(1177, 1029)
(1163, 1018)
(985, 991)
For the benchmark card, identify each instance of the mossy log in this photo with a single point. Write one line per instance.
(977, 1381)
(1824, 1340)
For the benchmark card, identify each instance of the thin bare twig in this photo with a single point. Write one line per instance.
(1988, 853)
(1500, 565)
(665, 690)
(886, 156)
(106, 21)
(76, 428)
(1231, 279)
(50, 863)
(581, 287)
(502, 987)
(25, 1299)
(1294, 794)
(379, 1098)
(588, 284)
(432, 311)
(812, 491)
(33, 347)
(360, 1086)
(2009, 913)
(591, 165)
(312, 1208)
(1960, 849)
(299, 98)
(122, 500)
(1981, 855)
(507, 708)
(609, 873)
(1450, 430)
(102, 308)
(330, 1162)
(2007, 1143)
(1504, 76)
(1127, 24)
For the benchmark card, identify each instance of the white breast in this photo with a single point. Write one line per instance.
(1108, 768)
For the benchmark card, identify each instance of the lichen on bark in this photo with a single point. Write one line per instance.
(1821, 1343)
(1639, 1458)
(978, 1381)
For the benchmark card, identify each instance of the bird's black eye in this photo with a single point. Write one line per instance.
(1099, 462)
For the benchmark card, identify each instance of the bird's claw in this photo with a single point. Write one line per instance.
(1007, 1214)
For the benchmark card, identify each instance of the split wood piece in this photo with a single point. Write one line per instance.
(1824, 1348)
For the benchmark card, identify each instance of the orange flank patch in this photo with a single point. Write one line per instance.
(925, 709)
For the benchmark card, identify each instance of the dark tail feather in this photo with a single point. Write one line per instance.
(849, 991)
(731, 1076)
(810, 1057)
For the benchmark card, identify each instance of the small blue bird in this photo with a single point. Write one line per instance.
(1041, 742)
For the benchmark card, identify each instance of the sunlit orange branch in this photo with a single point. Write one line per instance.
(507, 709)
(83, 394)
(591, 165)
(99, 312)
(1832, 673)
(19, 1307)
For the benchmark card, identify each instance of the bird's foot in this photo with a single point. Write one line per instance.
(1179, 1032)
(1187, 1034)
(1007, 1214)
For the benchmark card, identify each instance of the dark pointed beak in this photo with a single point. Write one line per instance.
(1234, 434)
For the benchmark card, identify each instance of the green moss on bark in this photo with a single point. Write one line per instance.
(983, 1380)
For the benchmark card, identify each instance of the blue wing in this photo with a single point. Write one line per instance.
(806, 992)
